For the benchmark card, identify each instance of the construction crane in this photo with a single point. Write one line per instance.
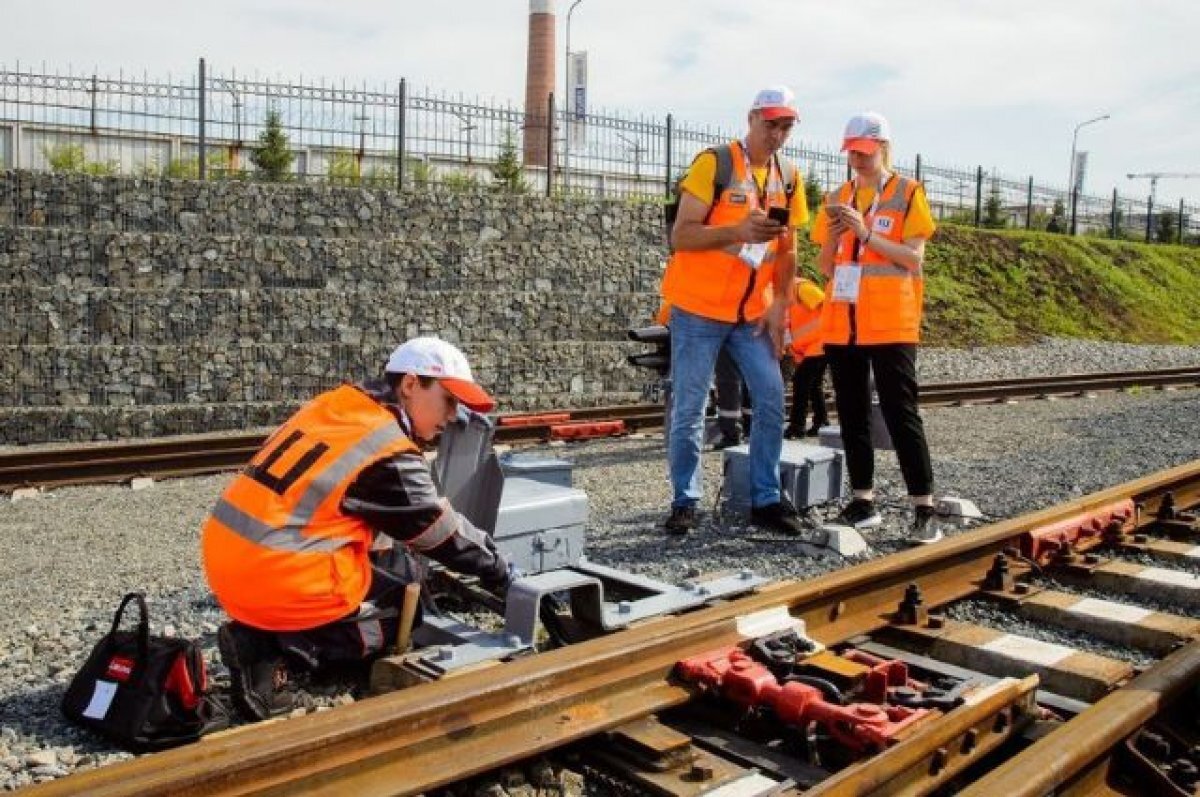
(1154, 177)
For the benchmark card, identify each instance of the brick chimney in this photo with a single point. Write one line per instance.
(539, 80)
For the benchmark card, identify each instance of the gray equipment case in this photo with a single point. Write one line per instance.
(809, 475)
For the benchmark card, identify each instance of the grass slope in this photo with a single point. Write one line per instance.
(1007, 286)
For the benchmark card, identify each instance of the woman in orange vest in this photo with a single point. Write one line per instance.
(288, 549)
(804, 324)
(872, 232)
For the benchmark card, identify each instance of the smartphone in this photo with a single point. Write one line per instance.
(779, 215)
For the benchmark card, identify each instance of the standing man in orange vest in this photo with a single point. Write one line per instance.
(804, 324)
(288, 548)
(872, 233)
(732, 239)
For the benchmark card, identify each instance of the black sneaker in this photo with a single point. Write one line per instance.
(726, 441)
(794, 431)
(814, 430)
(257, 671)
(925, 528)
(681, 521)
(860, 513)
(779, 516)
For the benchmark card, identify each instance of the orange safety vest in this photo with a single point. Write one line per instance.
(716, 283)
(805, 326)
(278, 551)
(889, 296)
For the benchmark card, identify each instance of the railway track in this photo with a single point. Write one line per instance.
(902, 700)
(196, 455)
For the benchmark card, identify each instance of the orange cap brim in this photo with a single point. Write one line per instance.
(867, 146)
(469, 394)
(779, 112)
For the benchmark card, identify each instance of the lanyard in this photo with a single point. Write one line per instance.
(760, 191)
(869, 216)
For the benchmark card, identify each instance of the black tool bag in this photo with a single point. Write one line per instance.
(143, 692)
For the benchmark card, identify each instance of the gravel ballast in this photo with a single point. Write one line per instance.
(72, 553)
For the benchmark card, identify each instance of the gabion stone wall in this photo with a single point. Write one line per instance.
(136, 308)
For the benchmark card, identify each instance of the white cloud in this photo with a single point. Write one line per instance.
(963, 81)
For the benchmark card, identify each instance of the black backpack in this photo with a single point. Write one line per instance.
(721, 178)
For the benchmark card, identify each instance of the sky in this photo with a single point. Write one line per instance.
(964, 82)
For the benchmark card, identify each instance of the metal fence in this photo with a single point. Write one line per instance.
(210, 124)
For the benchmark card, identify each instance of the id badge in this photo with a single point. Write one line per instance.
(846, 280)
(753, 254)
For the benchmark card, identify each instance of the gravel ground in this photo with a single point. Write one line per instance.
(72, 553)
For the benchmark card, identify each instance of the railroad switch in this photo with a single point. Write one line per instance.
(1076, 534)
(1159, 758)
(857, 727)
(912, 610)
(999, 577)
(1174, 522)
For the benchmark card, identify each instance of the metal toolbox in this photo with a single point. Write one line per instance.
(809, 475)
(540, 525)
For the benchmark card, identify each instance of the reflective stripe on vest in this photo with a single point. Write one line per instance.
(290, 537)
(439, 530)
(716, 283)
(279, 552)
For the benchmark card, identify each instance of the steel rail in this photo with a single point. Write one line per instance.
(196, 455)
(1090, 737)
(428, 736)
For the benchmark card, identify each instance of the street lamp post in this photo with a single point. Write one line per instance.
(567, 99)
(1071, 174)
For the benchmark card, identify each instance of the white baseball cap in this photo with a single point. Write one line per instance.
(443, 361)
(864, 132)
(776, 102)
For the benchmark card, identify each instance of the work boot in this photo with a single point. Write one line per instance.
(860, 513)
(925, 528)
(257, 671)
(681, 521)
(780, 516)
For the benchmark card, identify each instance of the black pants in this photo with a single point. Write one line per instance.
(365, 632)
(734, 411)
(895, 369)
(807, 389)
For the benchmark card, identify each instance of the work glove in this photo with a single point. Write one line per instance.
(499, 586)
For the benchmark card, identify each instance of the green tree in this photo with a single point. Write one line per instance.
(344, 169)
(1058, 218)
(1167, 229)
(461, 181)
(71, 159)
(273, 157)
(993, 210)
(812, 192)
(507, 173)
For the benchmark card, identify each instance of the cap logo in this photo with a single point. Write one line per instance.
(770, 98)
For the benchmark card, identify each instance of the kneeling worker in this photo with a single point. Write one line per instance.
(287, 549)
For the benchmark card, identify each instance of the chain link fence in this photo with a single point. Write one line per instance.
(211, 123)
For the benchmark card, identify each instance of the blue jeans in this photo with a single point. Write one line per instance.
(695, 342)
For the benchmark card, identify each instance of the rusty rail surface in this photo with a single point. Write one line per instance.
(434, 734)
(194, 455)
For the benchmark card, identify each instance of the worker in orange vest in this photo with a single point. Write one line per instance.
(732, 237)
(288, 549)
(872, 233)
(804, 325)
